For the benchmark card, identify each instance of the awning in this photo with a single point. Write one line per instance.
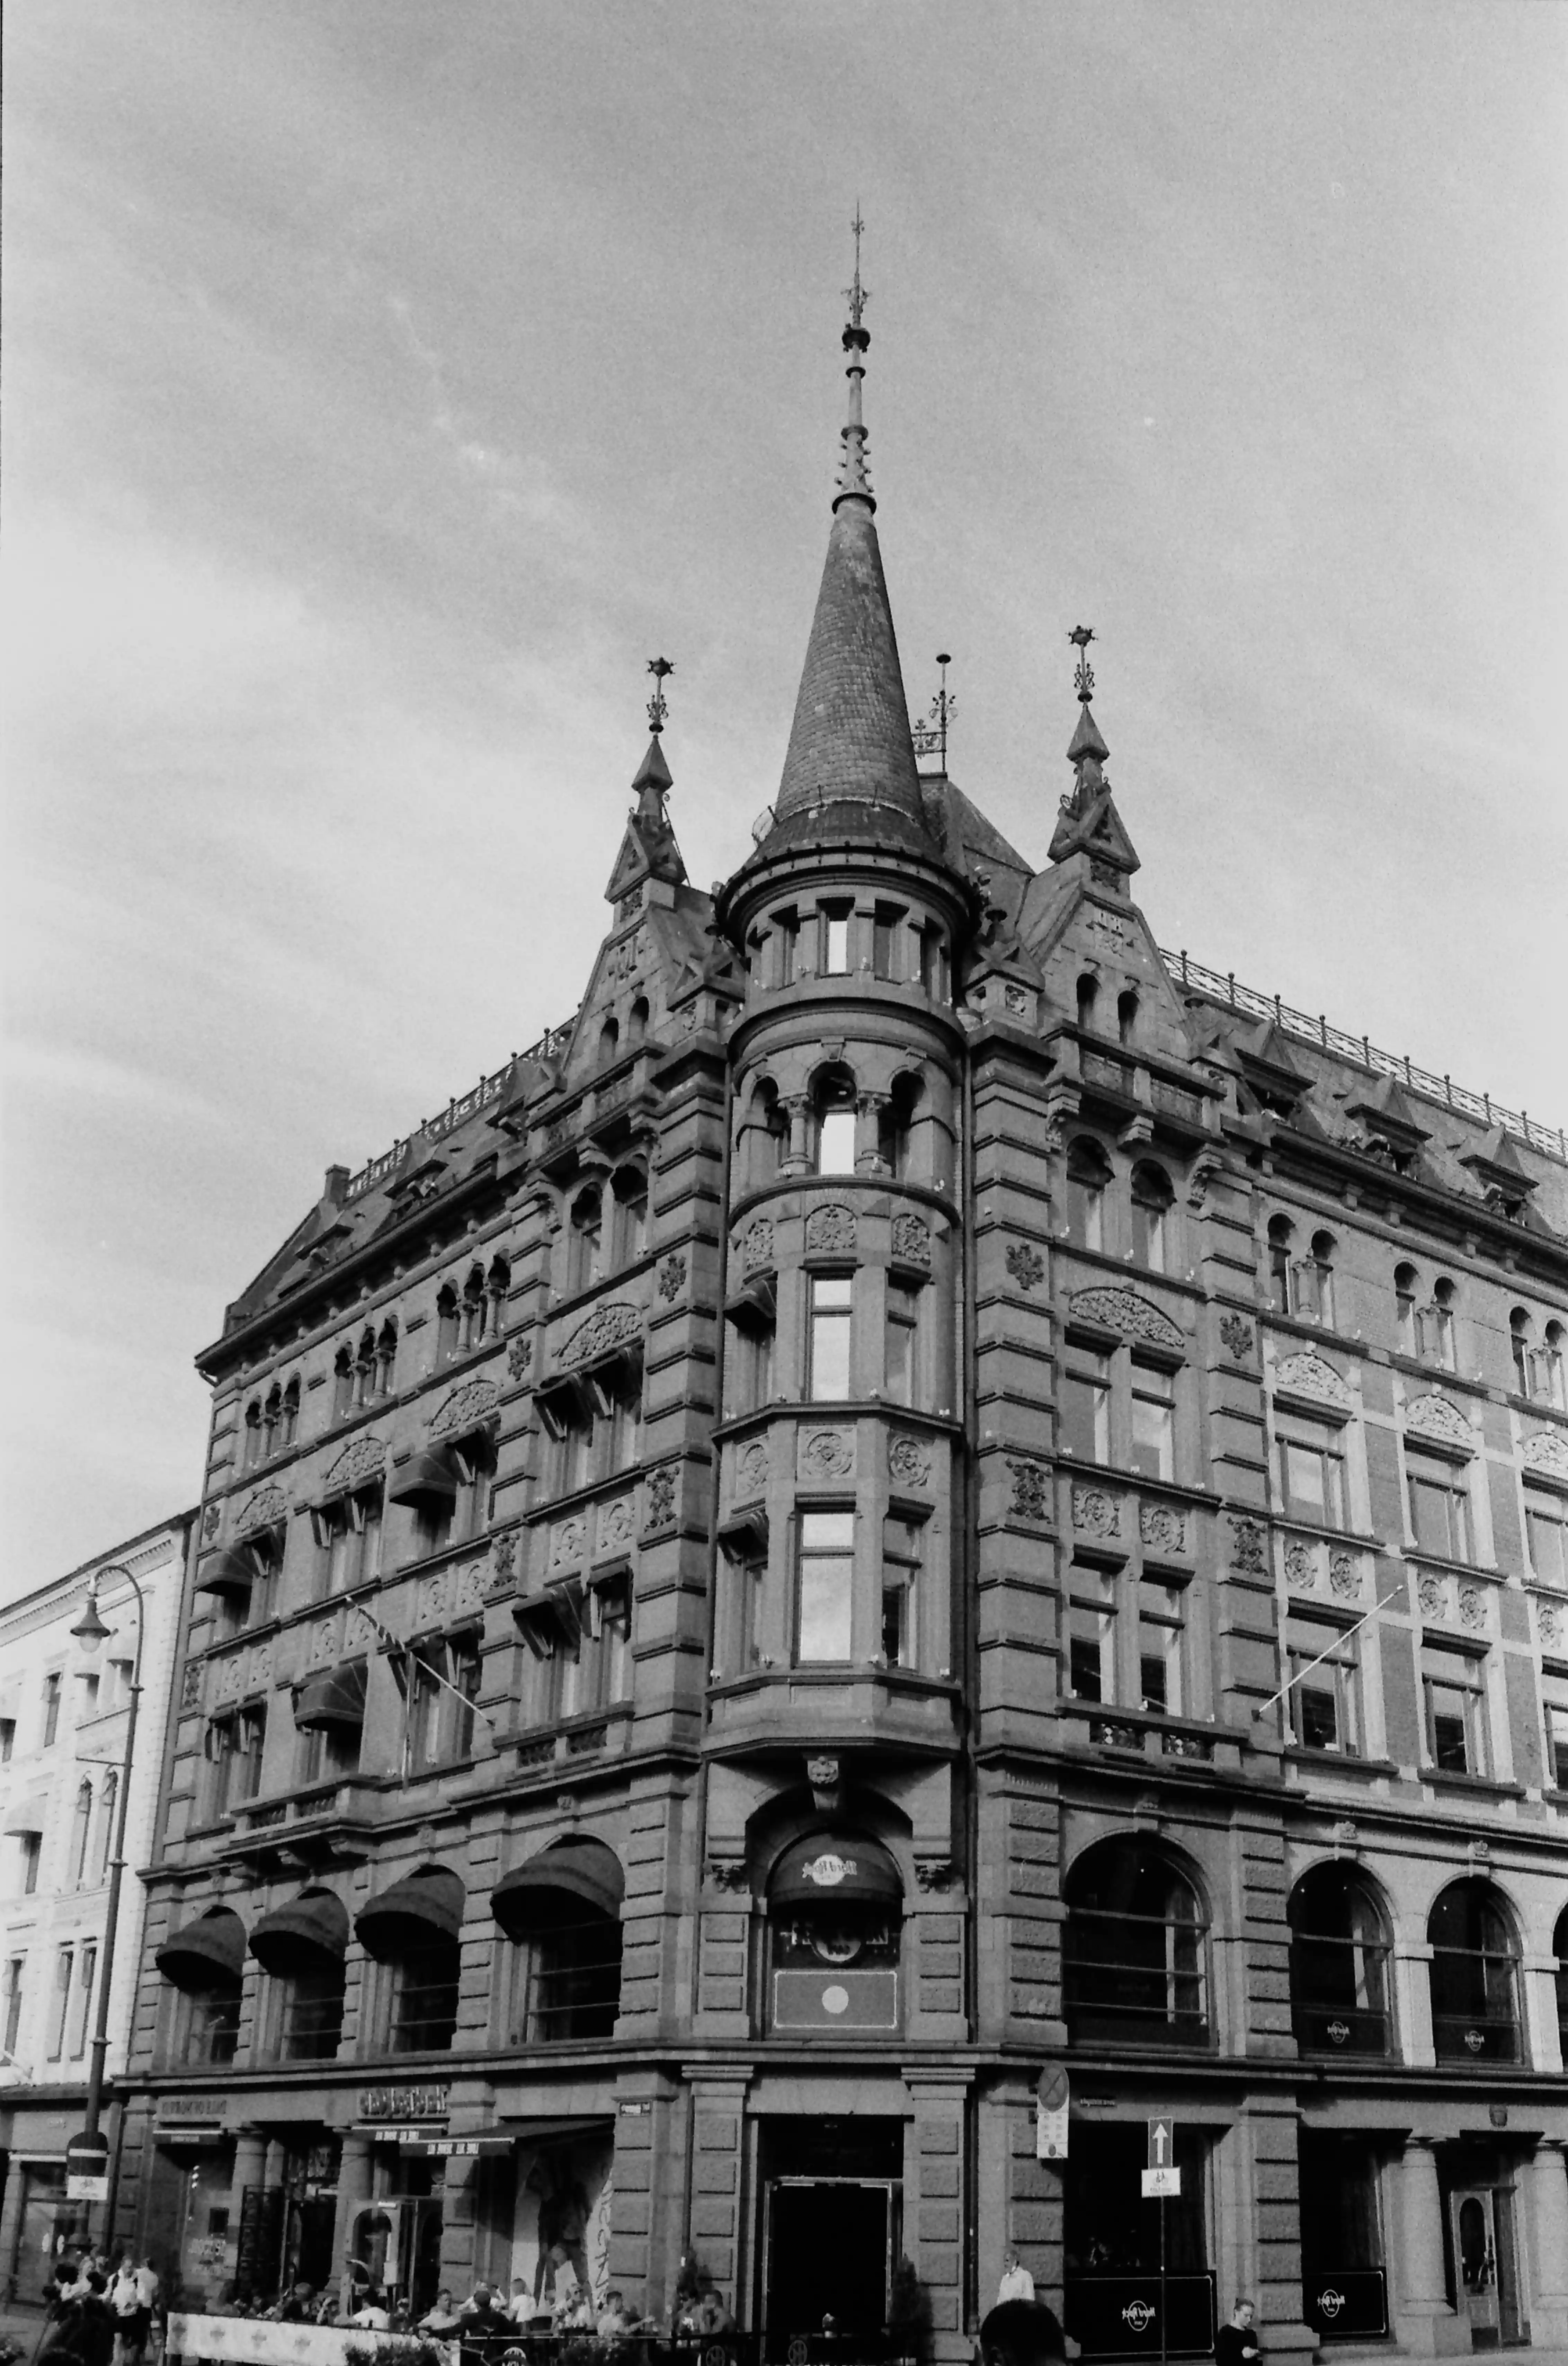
(558, 1881)
(411, 1913)
(226, 1572)
(838, 1869)
(332, 1697)
(297, 1937)
(207, 1953)
(428, 1478)
(27, 1815)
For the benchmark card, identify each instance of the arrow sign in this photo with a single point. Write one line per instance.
(1162, 2142)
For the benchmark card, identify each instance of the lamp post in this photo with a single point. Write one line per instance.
(90, 1631)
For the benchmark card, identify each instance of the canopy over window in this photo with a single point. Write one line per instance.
(556, 1885)
(334, 1696)
(429, 1478)
(304, 1935)
(230, 1572)
(412, 1913)
(27, 1815)
(836, 1869)
(207, 1953)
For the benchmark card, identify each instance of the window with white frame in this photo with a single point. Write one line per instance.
(1087, 1185)
(1438, 1490)
(1546, 1532)
(825, 1587)
(900, 1592)
(348, 1540)
(902, 1337)
(829, 1316)
(60, 2001)
(1153, 1419)
(1086, 1402)
(1312, 1468)
(1153, 1199)
(836, 1125)
(87, 1977)
(1555, 1702)
(1161, 1621)
(835, 944)
(15, 1974)
(1453, 1685)
(1322, 1675)
(1091, 1635)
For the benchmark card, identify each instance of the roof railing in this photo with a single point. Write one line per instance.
(1222, 987)
(456, 1114)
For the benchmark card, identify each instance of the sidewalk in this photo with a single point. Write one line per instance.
(21, 2324)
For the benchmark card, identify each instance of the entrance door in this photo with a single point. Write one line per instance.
(1486, 2280)
(45, 2224)
(829, 2242)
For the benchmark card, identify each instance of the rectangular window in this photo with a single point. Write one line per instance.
(889, 931)
(89, 1699)
(87, 1973)
(933, 964)
(328, 1750)
(1556, 1706)
(1454, 1687)
(1311, 1473)
(1085, 1404)
(1160, 1623)
(836, 941)
(234, 1749)
(1322, 1696)
(825, 1585)
(1154, 1422)
(836, 1141)
(14, 1971)
(443, 1686)
(901, 1577)
(1440, 1506)
(750, 1578)
(830, 1347)
(7, 1739)
(1546, 1525)
(788, 928)
(1091, 1637)
(51, 1708)
(903, 1316)
(60, 2003)
(32, 1853)
(749, 1368)
(348, 1535)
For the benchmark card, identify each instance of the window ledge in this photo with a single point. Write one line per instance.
(1351, 1538)
(1349, 1761)
(1417, 1559)
(1078, 1464)
(1483, 1785)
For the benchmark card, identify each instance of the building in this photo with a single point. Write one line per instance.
(62, 1735)
(924, 1497)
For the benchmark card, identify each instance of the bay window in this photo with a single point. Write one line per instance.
(825, 1584)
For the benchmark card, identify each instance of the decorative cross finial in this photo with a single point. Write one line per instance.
(1083, 677)
(657, 711)
(857, 297)
(930, 737)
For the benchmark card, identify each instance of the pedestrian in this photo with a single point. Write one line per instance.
(1017, 2283)
(1236, 2343)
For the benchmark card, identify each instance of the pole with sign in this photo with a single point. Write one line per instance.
(1161, 2180)
(1051, 2103)
(87, 2167)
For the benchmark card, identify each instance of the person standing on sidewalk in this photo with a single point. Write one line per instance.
(1236, 2343)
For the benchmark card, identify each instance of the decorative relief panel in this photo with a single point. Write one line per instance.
(1030, 1490)
(757, 1245)
(615, 1525)
(1097, 1513)
(831, 1227)
(1472, 1608)
(1236, 1336)
(1313, 1376)
(466, 1408)
(662, 1497)
(266, 1508)
(356, 1466)
(1301, 1565)
(1163, 1527)
(911, 1241)
(360, 1631)
(1344, 1576)
(1547, 1453)
(1247, 1547)
(1548, 1620)
(826, 1453)
(567, 1545)
(210, 1520)
(1431, 1595)
(449, 1594)
(190, 1690)
(1124, 1311)
(324, 1642)
(263, 1667)
(1026, 1266)
(606, 1329)
(503, 1556)
(672, 1274)
(1438, 1417)
(908, 1464)
(751, 1468)
(519, 1356)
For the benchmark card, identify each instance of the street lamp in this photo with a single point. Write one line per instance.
(90, 1630)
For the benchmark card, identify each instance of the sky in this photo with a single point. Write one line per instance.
(385, 381)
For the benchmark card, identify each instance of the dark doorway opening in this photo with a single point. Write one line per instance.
(832, 2201)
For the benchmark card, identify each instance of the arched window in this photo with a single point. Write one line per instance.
(107, 1801)
(203, 1962)
(896, 1123)
(764, 1135)
(413, 1928)
(447, 1333)
(1088, 1180)
(836, 1123)
(343, 1383)
(80, 1829)
(1475, 1997)
(1553, 1353)
(1152, 1201)
(386, 1357)
(301, 1946)
(1406, 1289)
(1280, 1277)
(629, 1196)
(498, 1282)
(1560, 1949)
(474, 1313)
(1087, 996)
(1443, 1323)
(562, 1913)
(290, 1411)
(1519, 1341)
(834, 1934)
(253, 1434)
(1339, 1955)
(1133, 1950)
(637, 1028)
(1314, 1281)
(1126, 1015)
(272, 1417)
(365, 1369)
(587, 1236)
(609, 1041)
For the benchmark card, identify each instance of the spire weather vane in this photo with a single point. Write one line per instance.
(855, 296)
(930, 737)
(1083, 677)
(658, 707)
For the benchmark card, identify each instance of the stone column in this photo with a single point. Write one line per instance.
(458, 2208)
(797, 1160)
(934, 2191)
(869, 1159)
(647, 2219)
(250, 2167)
(1424, 2319)
(1546, 2215)
(354, 2185)
(715, 2232)
(1412, 1990)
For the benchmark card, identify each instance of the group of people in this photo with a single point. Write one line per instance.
(102, 2310)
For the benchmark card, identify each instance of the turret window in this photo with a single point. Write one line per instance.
(828, 1347)
(825, 1586)
(1088, 1180)
(933, 964)
(886, 938)
(1152, 1201)
(903, 1322)
(836, 940)
(836, 1141)
(900, 1594)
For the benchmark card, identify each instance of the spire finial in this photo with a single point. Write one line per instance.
(658, 709)
(1083, 676)
(854, 481)
(930, 737)
(855, 296)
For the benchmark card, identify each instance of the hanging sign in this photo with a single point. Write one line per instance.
(1051, 2103)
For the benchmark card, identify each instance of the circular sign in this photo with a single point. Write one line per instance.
(798, 2354)
(1138, 2315)
(1337, 2031)
(835, 1999)
(1474, 2040)
(1331, 2301)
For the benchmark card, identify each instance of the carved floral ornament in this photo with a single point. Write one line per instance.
(1547, 1453)
(268, 1507)
(907, 1462)
(1163, 1527)
(911, 1241)
(519, 1356)
(1031, 1489)
(606, 1329)
(1315, 1377)
(751, 1468)
(466, 1408)
(1437, 1418)
(828, 1454)
(365, 1459)
(1124, 1311)
(1097, 1513)
(672, 1274)
(830, 1227)
(757, 1245)
(1026, 1265)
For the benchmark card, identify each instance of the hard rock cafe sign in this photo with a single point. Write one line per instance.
(828, 1871)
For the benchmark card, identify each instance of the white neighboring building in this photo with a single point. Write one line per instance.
(63, 1719)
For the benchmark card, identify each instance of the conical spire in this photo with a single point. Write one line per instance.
(1088, 822)
(648, 850)
(849, 741)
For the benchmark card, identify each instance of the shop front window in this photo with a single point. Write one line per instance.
(1136, 2277)
(1134, 1950)
(1339, 1959)
(1344, 2289)
(1474, 1973)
